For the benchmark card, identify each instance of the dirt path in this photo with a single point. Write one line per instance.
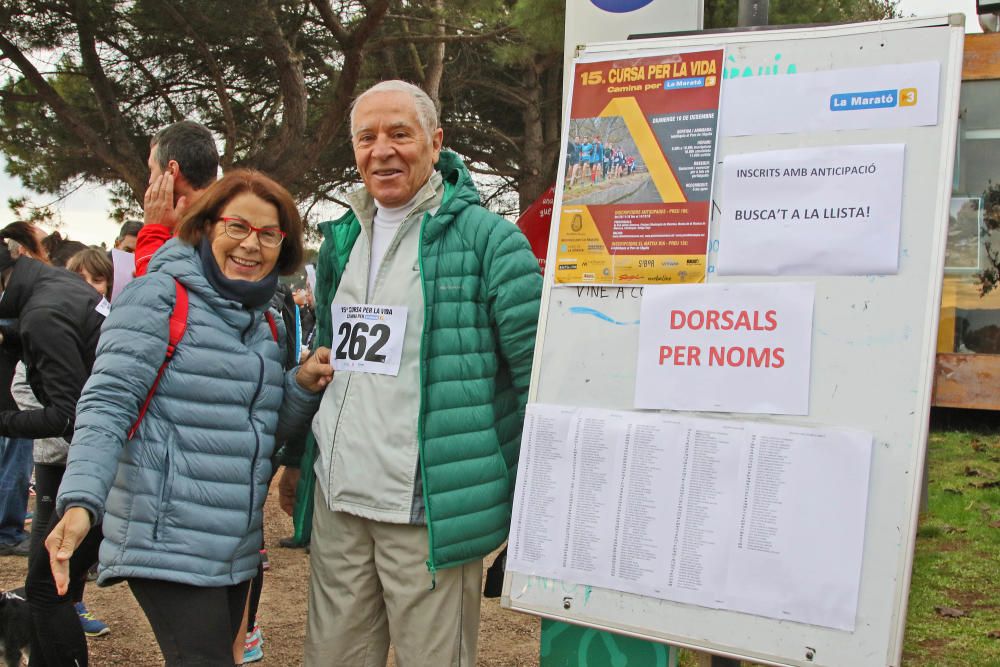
(506, 639)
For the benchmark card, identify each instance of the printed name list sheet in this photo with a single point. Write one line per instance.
(760, 518)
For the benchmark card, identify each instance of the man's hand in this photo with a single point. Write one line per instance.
(63, 541)
(316, 372)
(158, 204)
(286, 489)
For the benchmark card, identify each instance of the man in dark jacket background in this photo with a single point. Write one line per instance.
(58, 327)
(59, 318)
(15, 471)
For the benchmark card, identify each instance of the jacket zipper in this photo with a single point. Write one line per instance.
(431, 566)
(342, 269)
(256, 436)
(163, 495)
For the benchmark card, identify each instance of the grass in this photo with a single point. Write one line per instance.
(957, 560)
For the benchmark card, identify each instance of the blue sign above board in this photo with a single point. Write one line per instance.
(620, 6)
(874, 99)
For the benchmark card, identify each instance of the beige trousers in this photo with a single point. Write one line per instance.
(369, 585)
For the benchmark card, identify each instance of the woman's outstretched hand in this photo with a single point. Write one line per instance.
(315, 372)
(63, 541)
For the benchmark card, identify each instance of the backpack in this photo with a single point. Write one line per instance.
(178, 325)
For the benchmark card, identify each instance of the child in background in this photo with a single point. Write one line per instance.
(95, 267)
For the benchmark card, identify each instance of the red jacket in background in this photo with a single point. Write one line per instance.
(151, 237)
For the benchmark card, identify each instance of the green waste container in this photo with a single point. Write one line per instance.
(565, 645)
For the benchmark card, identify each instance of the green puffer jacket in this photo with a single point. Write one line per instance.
(475, 360)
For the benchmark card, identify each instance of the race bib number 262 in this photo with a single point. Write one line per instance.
(368, 338)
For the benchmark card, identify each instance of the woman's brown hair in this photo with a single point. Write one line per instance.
(206, 211)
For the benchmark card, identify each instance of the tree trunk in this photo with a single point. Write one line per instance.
(536, 174)
(435, 65)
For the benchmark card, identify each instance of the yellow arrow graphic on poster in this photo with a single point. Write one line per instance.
(649, 148)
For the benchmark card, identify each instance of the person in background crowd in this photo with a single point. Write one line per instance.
(292, 451)
(49, 454)
(25, 239)
(15, 464)
(128, 235)
(15, 453)
(50, 462)
(95, 267)
(307, 316)
(183, 161)
(60, 249)
(57, 331)
(403, 517)
(224, 397)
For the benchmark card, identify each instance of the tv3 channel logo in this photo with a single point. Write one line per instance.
(874, 99)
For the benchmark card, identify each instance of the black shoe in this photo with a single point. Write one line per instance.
(291, 543)
(21, 548)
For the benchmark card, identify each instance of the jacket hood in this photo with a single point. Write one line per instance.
(459, 193)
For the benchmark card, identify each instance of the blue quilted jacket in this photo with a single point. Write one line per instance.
(183, 500)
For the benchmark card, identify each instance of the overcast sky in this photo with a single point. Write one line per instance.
(84, 214)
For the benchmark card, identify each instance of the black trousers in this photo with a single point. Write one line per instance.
(47, 479)
(195, 626)
(58, 638)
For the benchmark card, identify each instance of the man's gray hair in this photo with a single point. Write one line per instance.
(426, 111)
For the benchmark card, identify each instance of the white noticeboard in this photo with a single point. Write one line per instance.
(872, 349)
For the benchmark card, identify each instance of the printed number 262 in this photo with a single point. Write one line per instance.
(354, 343)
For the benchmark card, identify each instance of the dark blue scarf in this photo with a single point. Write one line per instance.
(250, 294)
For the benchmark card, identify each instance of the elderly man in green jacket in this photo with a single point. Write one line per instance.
(431, 303)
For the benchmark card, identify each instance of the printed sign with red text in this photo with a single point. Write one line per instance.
(726, 348)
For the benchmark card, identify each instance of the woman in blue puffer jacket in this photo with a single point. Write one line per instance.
(182, 501)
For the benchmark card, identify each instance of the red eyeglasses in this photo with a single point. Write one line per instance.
(239, 229)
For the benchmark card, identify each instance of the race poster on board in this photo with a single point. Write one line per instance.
(640, 159)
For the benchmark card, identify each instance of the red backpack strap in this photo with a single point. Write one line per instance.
(178, 325)
(271, 323)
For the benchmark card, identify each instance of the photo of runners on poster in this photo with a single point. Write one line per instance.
(640, 158)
